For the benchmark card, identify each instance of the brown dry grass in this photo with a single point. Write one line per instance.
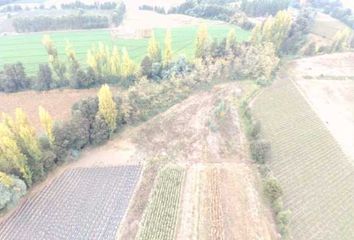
(57, 102)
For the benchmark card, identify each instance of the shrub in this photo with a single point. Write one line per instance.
(49, 160)
(272, 189)
(282, 220)
(11, 193)
(260, 150)
(100, 131)
(63, 135)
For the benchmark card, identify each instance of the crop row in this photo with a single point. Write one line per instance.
(80, 204)
(317, 178)
(161, 215)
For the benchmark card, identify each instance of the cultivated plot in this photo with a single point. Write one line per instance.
(83, 203)
(316, 177)
(327, 82)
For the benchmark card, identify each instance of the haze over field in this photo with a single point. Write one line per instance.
(163, 120)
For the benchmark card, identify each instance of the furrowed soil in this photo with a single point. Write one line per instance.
(327, 83)
(221, 195)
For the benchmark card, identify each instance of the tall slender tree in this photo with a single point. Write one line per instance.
(168, 48)
(201, 41)
(154, 50)
(11, 157)
(107, 107)
(47, 123)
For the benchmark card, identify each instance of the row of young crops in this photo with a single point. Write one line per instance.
(316, 177)
(80, 204)
(161, 215)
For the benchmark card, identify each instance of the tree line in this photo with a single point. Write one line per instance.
(96, 5)
(336, 9)
(257, 8)
(73, 21)
(25, 157)
(46, 23)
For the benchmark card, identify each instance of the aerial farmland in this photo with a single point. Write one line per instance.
(183, 119)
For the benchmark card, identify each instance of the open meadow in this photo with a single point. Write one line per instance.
(29, 49)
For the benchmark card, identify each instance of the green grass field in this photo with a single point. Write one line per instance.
(317, 178)
(29, 50)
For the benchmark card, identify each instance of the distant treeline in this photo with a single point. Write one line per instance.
(96, 5)
(336, 9)
(4, 2)
(258, 8)
(45, 23)
(74, 21)
(210, 11)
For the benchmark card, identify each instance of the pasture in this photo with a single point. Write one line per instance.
(316, 176)
(28, 48)
(83, 203)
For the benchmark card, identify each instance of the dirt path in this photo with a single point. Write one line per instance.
(221, 198)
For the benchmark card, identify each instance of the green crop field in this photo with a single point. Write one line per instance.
(160, 217)
(317, 179)
(29, 50)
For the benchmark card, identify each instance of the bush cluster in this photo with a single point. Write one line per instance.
(260, 152)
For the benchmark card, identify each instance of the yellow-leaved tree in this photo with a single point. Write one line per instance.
(231, 39)
(201, 41)
(154, 50)
(11, 157)
(128, 66)
(167, 57)
(115, 62)
(107, 107)
(47, 123)
(27, 140)
(273, 29)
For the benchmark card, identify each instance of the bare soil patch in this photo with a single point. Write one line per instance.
(57, 102)
(333, 100)
(221, 197)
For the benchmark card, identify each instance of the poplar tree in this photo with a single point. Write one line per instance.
(273, 29)
(231, 39)
(92, 61)
(201, 42)
(47, 123)
(154, 50)
(57, 66)
(11, 156)
(128, 66)
(26, 139)
(107, 107)
(115, 62)
(168, 48)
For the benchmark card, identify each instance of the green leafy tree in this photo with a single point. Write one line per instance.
(44, 77)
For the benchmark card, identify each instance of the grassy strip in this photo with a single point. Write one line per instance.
(260, 152)
(160, 217)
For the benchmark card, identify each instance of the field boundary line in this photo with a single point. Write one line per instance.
(122, 222)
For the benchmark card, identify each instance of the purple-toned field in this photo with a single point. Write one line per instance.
(83, 203)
